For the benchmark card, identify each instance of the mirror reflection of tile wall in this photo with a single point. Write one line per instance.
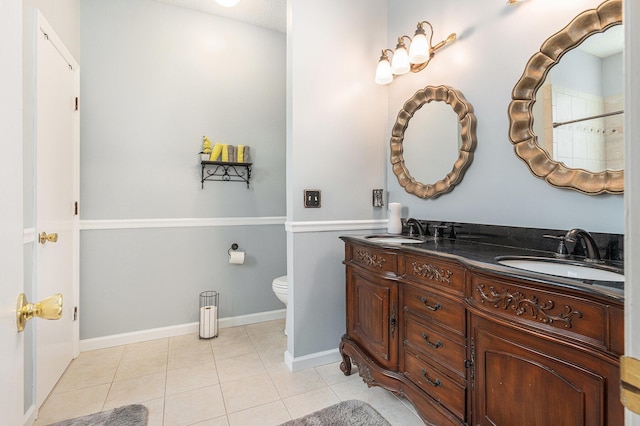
(595, 144)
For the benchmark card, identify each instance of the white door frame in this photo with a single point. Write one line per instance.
(11, 216)
(632, 186)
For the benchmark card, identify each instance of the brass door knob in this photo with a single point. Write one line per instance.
(52, 238)
(48, 308)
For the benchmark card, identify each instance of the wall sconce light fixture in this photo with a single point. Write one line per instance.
(420, 52)
(512, 2)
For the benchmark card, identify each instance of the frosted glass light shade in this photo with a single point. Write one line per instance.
(419, 50)
(383, 72)
(227, 3)
(400, 62)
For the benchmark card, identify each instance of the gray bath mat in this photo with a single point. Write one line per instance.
(129, 415)
(345, 413)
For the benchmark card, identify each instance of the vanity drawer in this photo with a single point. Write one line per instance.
(434, 344)
(434, 272)
(376, 260)
(447, 313)
(434, 382)
(538, 307)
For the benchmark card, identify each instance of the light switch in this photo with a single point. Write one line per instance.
(312, 198)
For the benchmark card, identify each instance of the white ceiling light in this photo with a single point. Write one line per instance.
(227, 3)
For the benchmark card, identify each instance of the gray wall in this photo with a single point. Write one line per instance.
(336, 134)
(155, 79)
(495, 41)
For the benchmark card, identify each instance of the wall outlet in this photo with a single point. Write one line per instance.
(312, 198)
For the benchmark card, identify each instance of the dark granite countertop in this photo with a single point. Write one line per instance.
(476, 252)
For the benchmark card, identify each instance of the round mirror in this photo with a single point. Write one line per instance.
(566, 116)
(438, 145)
(430, 145)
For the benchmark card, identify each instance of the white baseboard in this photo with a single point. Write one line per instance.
(30, 416)
(312, 360)
(176, 330)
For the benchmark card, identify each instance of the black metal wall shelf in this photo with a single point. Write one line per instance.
(223, 171)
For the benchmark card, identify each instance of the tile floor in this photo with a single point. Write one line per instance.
(238, 378)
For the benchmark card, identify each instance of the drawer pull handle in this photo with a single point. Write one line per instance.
(429, 307)
(433, 345)
(432, 383)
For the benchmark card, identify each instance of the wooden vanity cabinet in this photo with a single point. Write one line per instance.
(543, 355)
(469, 347)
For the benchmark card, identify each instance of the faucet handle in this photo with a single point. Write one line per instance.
(561, 251)
(439, 230)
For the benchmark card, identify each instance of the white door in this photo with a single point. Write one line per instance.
(57, 87)
(11, 224)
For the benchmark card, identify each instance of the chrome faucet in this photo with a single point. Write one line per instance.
(575, 234)
(421, 230)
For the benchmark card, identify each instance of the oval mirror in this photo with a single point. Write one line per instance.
(439, 145)
(566, 124)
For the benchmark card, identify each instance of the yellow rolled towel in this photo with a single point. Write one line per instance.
(215, 153)
(225, 152)
(240, 153)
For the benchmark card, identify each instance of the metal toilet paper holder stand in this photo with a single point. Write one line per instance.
(208, 314)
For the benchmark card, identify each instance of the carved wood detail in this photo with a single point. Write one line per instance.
(521, 304)
(432, 272)
(370, 258)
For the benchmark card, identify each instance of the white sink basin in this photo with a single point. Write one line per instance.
(394, 239)
(562, 268)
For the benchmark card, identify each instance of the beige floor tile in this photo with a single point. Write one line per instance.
(271, 414)
(72, 404)
(194, 406)
(108, 357)
(144, 349)
(265, 327)
(134, 365)
(269, 340)
(273, 359)
(355, 388)
(306, 403)
(239, 367)
(398, 415)
(187, 341)
(186, 379)
(289, 384)
(86, 374)
(230, 333)
(190, 356)
(248, 392)
(136, 390)
(156, 411)
(218, 421)
(240, 345)
(332, 374)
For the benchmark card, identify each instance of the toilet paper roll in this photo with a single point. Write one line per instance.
(208, 321)
(236, 257)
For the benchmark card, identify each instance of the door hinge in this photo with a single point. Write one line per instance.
(75, 208)
(75, 313)
(77, 103)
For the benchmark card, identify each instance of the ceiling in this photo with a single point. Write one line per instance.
(271, 14)
(605, 44)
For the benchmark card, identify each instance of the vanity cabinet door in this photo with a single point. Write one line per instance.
(372, 310)
(521, 379)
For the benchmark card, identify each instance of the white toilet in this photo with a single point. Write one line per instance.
(280, 286)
